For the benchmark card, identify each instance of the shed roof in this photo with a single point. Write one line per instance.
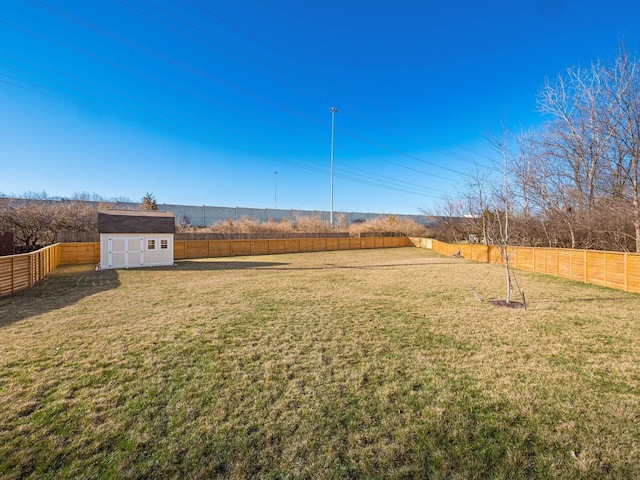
(135, 221)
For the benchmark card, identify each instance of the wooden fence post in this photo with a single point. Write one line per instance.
(13, 274)
(31, 267)
(626, 272)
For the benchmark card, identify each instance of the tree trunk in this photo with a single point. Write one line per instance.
(505, 253)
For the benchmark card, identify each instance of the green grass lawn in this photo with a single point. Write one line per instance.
(350, 364)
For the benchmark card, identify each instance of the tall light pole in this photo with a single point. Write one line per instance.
(333, 111)
(275, 191)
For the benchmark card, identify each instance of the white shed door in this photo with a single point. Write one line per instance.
(126, 252)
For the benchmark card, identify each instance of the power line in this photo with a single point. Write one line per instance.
(257, 59)
(389, 183)
(326, 77)
(182, 65)
(173, 113)
(199, 72)
(163, 57)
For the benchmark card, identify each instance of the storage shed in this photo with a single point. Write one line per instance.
(135, 238)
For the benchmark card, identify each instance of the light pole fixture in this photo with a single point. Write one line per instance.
(333, 111)
(275, 191)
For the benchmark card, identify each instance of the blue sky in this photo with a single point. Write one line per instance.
(200, 102)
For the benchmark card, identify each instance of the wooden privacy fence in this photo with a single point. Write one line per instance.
(23, 271)
(89, 252)
(619, 270)
(185, 249)
(18, 272)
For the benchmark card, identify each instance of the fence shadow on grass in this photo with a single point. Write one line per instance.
(64, 286)
(544, 303)
(190, 265)
(384, 265)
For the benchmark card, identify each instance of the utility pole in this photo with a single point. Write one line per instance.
(333, 111)
(275, 191)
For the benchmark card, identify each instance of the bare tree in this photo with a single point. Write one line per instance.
(623, 120)
(502, 204)
(452, 223)
(74, 216)
(30, 222)
(476, 198)
(35, 222)
(577, 137)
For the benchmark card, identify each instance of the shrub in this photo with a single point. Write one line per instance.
(389, 224)
(313, 224)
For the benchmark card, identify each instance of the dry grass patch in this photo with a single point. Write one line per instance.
(300, 223)
(363, 364)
